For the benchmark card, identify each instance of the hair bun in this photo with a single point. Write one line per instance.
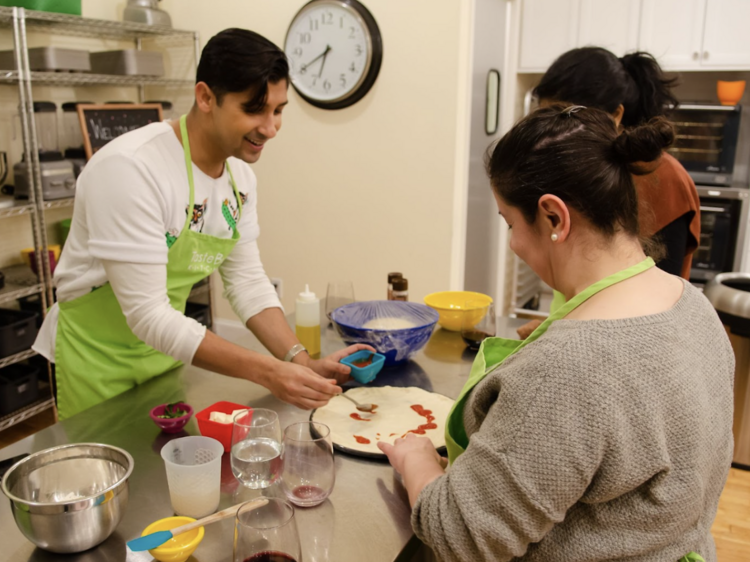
(643, 143)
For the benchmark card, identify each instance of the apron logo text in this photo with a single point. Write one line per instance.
(205, 261)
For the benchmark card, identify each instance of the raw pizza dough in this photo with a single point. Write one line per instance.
(393, 417)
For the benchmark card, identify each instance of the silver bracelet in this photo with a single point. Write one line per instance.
(296, 350)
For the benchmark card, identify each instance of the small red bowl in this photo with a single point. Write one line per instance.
(171, 425)
(222, 432)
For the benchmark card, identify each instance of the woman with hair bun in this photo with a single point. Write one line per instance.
(607, 433)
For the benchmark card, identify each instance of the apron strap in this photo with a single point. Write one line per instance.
(189, 168)
(586, 294)
(495, 351)
(236, 192)
(191, 182)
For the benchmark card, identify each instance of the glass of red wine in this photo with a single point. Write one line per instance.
(267, 533)
(477, 322)
(307, 473)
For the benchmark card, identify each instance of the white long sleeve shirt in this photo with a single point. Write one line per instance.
(131, 203)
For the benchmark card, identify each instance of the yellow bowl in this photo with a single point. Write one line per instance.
(179, 548)
(451, 306)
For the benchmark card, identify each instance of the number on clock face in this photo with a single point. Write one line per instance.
(329, 50)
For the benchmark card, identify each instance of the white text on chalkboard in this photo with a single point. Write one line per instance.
(102, 132)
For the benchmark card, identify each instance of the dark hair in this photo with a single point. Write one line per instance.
(595, 77)
(576, 154)
(236, 60)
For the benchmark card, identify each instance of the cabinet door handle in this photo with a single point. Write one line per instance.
(696, 54)
(705, 55)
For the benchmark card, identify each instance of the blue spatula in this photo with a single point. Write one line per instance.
(158, 538)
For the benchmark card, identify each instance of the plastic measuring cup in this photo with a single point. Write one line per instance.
(193, 467)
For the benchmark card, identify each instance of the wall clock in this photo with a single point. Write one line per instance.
(334, 49)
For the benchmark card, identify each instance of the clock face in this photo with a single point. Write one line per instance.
(334, 50)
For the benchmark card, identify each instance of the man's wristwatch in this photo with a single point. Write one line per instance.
(292, 353)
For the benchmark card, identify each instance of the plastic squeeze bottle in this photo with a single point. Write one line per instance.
(307, 319)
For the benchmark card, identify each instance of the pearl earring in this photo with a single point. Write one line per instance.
(554, 237)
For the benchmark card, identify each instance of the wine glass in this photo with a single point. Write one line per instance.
(338, 294)
(308, 473)
(267, 533)
(256, 448)
(477, 322)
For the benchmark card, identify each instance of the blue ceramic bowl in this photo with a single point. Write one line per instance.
(368, 373)
(397, 344)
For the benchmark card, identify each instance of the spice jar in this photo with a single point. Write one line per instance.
(391, 278)
(400, 289)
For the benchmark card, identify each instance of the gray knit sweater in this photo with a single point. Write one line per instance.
(602, 440)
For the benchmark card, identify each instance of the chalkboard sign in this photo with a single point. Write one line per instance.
(102, 123)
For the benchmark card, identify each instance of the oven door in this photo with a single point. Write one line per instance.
(706, 141)
(721, 247)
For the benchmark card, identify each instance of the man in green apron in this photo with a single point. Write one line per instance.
(158, 210)
(606, 433)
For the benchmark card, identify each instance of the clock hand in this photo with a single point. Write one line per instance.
(322, 64)
(321, 55)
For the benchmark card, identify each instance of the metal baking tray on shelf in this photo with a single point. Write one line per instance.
(128, 62)
(50, 59)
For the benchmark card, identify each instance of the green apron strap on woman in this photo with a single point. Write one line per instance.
(495, 351)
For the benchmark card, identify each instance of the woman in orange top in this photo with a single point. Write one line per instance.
(633, 89)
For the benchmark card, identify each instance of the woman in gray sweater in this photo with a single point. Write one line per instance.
(607, 434)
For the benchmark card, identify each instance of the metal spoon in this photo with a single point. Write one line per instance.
(360, 407)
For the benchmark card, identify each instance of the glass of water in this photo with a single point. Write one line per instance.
(256, 448)
(308, 472)
(338, 294)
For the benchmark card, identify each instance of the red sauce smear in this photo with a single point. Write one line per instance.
(363, 362)
(362, 440)
(427, 414)
(356, 416)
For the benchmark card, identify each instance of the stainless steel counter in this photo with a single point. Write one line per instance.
(366, 518)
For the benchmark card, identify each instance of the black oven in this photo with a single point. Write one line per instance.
(724, 215)
(712, 142)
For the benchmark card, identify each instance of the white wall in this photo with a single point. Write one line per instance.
(358, 192)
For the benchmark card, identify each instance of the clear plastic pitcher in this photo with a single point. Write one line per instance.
(194, 474)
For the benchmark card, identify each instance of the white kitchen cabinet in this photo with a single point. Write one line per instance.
(551, 27)
(681, 34)
(697, 34)
(548, 29)
(612, 24)
(726, 35)
(672, 31)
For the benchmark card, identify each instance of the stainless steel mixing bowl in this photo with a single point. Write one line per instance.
(69, 498)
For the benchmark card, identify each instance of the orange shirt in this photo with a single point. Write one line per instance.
(664, 195)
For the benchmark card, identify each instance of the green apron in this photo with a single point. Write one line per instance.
(97, 356)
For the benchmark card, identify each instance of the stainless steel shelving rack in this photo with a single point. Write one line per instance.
(19, 280)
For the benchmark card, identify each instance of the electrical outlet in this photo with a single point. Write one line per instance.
(278, 284)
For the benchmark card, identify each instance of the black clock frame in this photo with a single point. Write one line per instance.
(375, 61)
